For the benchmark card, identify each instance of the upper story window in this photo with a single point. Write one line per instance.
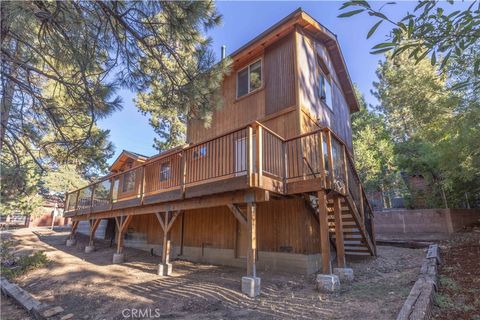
(249, 78)
(325, 90)
(324, 84)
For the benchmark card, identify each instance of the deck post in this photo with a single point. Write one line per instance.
(326, 281)
(345, 168)
(324, 237)
(251, 283)
(339, 243)
(165, 268)
(93, 223)
(259, 154)
(250, 156)
(331, 164)
(322, 159)
(122, 224)
(71, 238)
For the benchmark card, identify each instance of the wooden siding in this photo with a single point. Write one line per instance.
(337, 119)
(282, 226)
(280, 75)
(278, 65)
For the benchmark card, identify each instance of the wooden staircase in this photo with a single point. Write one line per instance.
(356, 240)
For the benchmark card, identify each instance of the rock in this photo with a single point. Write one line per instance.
(52, 312)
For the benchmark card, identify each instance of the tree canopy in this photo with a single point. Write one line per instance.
(62, 62)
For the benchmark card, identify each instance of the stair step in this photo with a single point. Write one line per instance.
(352, 253)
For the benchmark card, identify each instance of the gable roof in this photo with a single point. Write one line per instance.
(124, 156)
(300, 18)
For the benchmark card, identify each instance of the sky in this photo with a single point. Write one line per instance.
(242, 21)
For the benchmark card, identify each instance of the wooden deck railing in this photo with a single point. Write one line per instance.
(254, 153)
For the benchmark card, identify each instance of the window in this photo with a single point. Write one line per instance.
(129, 181)
(325, 90)
(200, 152)
(249, 79)
(165, 171)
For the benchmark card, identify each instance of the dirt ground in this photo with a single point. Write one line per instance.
(90, 287)
(458, 295)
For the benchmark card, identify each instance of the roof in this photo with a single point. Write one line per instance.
(303, 20)
(124, 156)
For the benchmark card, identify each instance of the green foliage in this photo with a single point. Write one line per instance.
(374, 149)
(435, 129)
(62, 62)
(432, 29)
(16, 265)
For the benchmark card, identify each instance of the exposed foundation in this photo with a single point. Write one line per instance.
(118, 257)
(71, 242)
(251, 286)
(89, 249)
(344, 274)
(328, 283)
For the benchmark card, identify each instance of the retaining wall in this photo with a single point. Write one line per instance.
(423, 223)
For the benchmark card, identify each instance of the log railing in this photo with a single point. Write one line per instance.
(254, 151)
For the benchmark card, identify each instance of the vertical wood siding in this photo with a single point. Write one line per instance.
(280, 75)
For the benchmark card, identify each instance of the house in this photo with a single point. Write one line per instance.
(271, 184)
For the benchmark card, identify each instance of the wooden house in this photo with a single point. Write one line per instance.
(271, 184)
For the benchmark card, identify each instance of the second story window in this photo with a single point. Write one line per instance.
(249, 78)
(325, 90)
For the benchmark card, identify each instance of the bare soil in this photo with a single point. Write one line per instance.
(90, 287)
(458, 295)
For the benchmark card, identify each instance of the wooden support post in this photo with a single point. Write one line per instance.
(165, 268)
(74, 229)
(340, 245)
(259, 154)
(112, 184)
(252, 239)
(166, 241)
(322, 159)
(142, 185)
(122, 224)
(250, 155)
(324, 237)
(94, 223)
(331, 171)
(183, 171)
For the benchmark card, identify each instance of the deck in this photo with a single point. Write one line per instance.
(245, 166)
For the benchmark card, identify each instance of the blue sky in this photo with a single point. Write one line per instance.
(242, 21)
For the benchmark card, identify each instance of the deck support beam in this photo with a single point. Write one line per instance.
(339, 243)
(251, 283)
(324, 237)
(71, 238)
(122, 225)
(166, 222)
(93, 223)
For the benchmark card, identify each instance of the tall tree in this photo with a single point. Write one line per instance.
(63, 60)
(374, 150)
(433, 28)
